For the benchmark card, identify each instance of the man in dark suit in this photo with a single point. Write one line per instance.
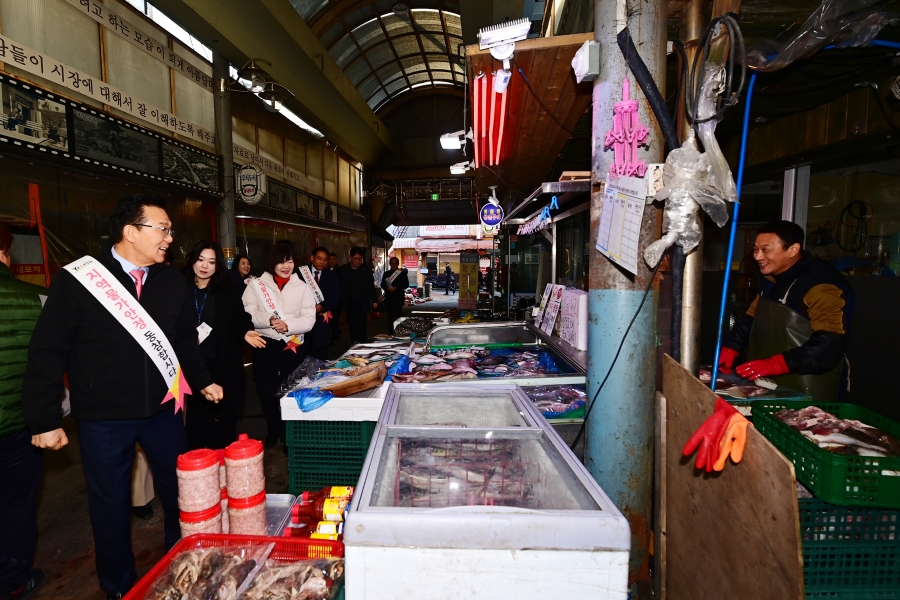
(394, 284)
(330, 284)
(116, 391)
(358, 293)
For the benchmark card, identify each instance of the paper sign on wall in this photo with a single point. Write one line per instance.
(545, 299)
(573, 321)
(620, 221)
(552, 311)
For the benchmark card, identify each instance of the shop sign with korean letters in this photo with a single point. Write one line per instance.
(252, 183)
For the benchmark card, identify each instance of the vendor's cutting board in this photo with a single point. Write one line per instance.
(733, 534)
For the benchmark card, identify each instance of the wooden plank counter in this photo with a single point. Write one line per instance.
(733, 534)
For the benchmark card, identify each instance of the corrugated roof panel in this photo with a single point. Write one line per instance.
(454, 25)
(389, 71)
(396, 25)
(368, 87)
(308, 8)
(380, 55)
(434, 43)
(396, 85)
(406, 45)
(331, 36)
(357, 71)
(377, 99)
(344, 51)
(369, 34)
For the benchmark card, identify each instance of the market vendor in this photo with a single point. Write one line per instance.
(797, 330)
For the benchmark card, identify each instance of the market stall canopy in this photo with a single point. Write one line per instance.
(534, 137)
(404, 243)
(452, 246)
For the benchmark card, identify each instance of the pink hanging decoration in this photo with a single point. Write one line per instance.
(626, 135)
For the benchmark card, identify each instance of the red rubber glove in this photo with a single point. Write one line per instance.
(766, 367)
(708, 436)
(727, 357)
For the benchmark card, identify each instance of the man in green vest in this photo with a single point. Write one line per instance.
(20, 461)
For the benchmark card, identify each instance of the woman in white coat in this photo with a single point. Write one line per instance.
(283, 308)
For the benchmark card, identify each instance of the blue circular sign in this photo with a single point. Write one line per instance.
(491, 215)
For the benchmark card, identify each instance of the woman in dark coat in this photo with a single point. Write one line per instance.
(240, 271)
(222, 328)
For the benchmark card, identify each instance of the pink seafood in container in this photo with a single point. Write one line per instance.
(198, 480)
(244, 468)
(247, 516)
(204, 521)
(222, 475)
(225, 523)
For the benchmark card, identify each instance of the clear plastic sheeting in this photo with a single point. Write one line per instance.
(842, 23)
(687, 184)
(720, 177)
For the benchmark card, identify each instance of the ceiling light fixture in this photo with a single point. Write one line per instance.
(252, 77)
(272, 100)
(460, 168)
(455, 140)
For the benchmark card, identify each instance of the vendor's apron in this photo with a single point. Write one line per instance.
(776, 329)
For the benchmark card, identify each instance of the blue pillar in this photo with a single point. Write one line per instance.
(619, 439)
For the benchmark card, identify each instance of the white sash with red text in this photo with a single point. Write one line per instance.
(272, 304)
(311, 282)
(103, 286)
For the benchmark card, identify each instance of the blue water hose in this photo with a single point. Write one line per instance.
(745, 130)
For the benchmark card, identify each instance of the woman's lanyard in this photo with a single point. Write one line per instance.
(200, 306)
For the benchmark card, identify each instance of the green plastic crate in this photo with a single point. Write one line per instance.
(330, 434)
(849, 553)
(322, 453)
(837, 479)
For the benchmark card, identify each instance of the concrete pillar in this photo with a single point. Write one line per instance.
(222, 107)
(619, 443)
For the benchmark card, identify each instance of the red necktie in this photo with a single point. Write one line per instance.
(317, 277)
(138, 275)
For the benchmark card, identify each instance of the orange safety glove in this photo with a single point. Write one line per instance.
(708, 436)
(727, 357)
(732, 441)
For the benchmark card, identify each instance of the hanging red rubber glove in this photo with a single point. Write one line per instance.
(733, 441)
(727, 357)
(708, 436)
(766, 367)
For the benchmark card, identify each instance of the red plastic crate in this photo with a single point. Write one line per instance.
(286, 550)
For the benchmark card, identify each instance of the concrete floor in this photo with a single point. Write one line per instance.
(65, 542)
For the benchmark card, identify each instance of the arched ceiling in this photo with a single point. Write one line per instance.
(387, 47)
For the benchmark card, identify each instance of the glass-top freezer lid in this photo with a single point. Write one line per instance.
(464, 407)
(515, 469)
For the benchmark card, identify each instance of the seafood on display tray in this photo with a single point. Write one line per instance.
(476, 361)
(556, 401)
(841, 436)
(735, 390)
(416, 325)
(244, 574)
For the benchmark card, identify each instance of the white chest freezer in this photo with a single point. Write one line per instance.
(468, 493)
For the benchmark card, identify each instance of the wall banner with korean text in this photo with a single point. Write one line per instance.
(157, 49)
(125, 309)
(60, 73)
(35, 119)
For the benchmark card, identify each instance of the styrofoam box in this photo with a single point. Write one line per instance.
(353, 408)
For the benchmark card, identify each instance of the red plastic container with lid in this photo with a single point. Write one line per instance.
(204, 521)
(198, 480)
(247, 516)
(244, 468)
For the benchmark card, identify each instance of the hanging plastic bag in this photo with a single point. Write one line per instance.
(720, 179)
(843, 23)
(686, 186)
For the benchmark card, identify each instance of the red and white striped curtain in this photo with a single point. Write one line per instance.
(489, 120)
